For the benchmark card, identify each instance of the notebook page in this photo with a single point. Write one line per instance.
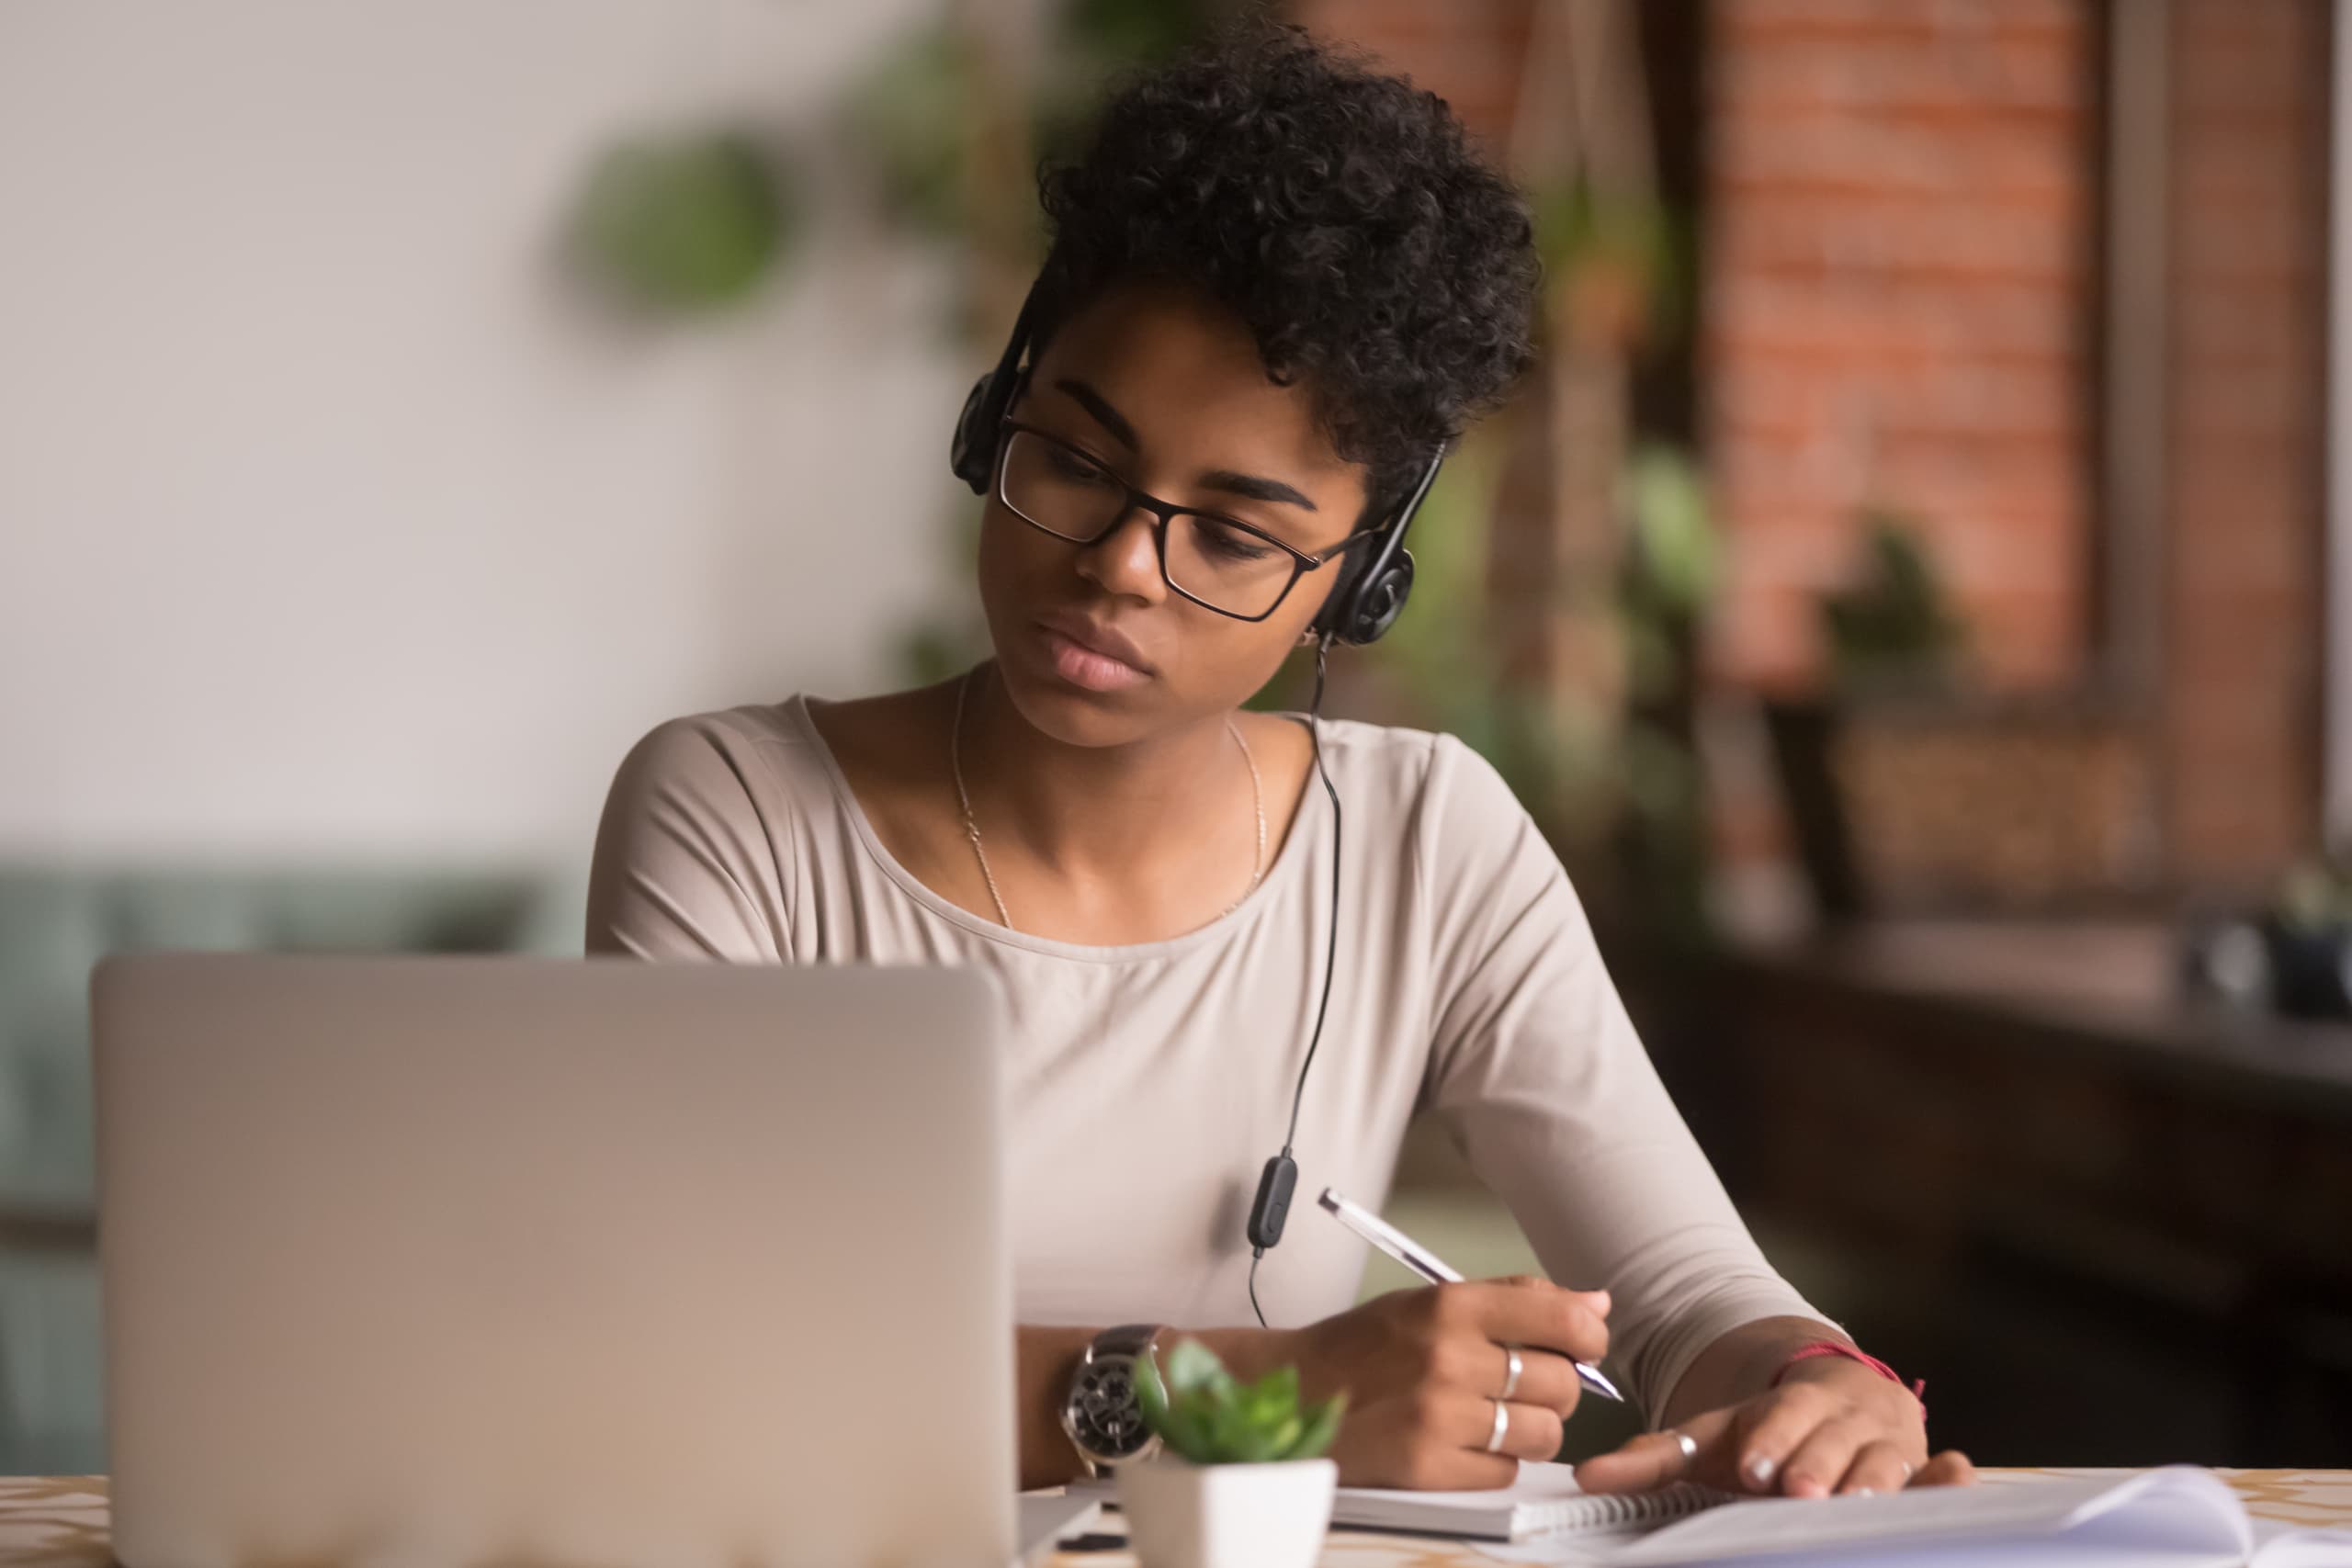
(2064, 1552)
(2288, 1546)
(1456, 1513)
(1580, 1549)
(2173, 1515)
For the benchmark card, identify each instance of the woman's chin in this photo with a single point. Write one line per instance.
(1073, 713)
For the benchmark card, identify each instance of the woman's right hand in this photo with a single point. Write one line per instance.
(1423, 1368)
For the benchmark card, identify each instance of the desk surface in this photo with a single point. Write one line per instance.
(60, 1522)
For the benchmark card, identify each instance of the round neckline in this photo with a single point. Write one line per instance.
(1304, 820)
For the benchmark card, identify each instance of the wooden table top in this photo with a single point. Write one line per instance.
(61, 1521)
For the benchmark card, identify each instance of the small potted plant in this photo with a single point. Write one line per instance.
(1241, 1480)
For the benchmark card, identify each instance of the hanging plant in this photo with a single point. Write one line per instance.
(686, 224)
(910, 121)
(1616, 266)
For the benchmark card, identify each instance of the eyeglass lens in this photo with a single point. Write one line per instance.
(1069, 495)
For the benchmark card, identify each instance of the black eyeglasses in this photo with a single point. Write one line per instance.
(1219, 563)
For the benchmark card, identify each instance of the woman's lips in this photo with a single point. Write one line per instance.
(1085, 667)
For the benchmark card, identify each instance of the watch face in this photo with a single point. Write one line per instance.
(1104, 1413)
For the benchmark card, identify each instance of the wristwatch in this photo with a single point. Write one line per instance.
(1103, 1414)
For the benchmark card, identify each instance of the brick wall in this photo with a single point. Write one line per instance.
(1469, 52)
(1900, 228)
(1901, 306)
(2239, 734)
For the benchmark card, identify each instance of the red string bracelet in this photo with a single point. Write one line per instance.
(1840, 1347)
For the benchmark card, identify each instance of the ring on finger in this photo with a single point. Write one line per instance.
(1502, 1429)
(1513, 1367)
(1687, 1443)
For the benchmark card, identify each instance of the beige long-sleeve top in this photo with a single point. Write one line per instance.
(1149, 1083)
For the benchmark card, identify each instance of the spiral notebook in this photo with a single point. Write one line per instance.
(1545, 1500)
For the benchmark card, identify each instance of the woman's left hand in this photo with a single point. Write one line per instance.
(1831, 1425)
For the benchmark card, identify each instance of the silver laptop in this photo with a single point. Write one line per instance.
(437, 1261)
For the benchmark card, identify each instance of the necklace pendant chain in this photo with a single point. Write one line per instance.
(972, 825)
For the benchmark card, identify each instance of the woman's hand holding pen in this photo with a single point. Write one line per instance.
(1427, 1369)
(1830, 1426)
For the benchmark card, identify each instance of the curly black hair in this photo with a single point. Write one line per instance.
(1338, 211)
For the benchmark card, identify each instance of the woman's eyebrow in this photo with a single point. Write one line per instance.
(1253, 486)
(1249, 487)
(1106, 416)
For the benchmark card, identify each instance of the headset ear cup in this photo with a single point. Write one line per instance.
(1382, 600)
(973, 451)
(1338, 611)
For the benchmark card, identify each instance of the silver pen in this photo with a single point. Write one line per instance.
(1430, 1267)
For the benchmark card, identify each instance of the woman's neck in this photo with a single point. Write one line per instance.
(1102, 814)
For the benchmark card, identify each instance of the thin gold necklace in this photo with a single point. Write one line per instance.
(972, 828)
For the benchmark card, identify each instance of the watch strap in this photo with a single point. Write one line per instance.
(1128, 1339)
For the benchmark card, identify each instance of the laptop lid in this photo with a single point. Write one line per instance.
(470, 1261)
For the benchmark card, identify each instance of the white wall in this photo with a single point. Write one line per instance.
(331, 521)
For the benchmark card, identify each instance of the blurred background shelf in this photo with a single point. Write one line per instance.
(2118, 1222)
(54, 925)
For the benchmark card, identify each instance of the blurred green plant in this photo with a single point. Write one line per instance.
(685, 224)
(1894, 627)
(1617, 791)
(909, 118)
(1441, 659)
(2314, 896)
(1205, 1415)
(1618, 264)
(912, 118)
(1670, 577)
(1673, 566)
(1115, 34)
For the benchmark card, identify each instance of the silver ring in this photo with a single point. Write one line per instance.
(1502, 1427)
(1516, 1366)
(1687, 1443)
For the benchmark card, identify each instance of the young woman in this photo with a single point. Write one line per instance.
(1279, 285)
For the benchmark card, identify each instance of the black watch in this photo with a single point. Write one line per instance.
(1101, 1414)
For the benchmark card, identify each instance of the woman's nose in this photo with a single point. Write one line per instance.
(1125, 560)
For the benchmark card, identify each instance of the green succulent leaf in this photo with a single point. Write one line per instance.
(1205, 1415)
(1319, 1430)
(1185, 1433)
(1285, 1435)
(1192, 1367)
(1151, 1395)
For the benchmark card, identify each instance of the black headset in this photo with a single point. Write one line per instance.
(1364, 604)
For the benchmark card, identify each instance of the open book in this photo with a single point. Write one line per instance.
(2176, 1517)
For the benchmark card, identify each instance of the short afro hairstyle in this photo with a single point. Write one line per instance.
(1339, 211)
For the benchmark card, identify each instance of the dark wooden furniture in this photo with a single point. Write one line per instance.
(2106, 1223)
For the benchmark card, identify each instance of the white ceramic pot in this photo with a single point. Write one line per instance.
(1227, 1516)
